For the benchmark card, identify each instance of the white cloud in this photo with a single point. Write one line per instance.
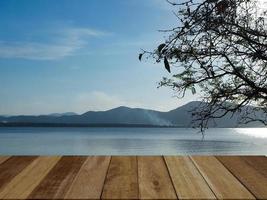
(36, 51)
(85, 32)
(68, 41)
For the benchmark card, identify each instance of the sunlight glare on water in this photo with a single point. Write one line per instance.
(132, 141)
(253, 132)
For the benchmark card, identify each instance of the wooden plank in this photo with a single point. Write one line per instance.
(154, 179)
(57, 182)
(257, 162)
(12, 167)
(221, 181)
(24, 183)
(122, 180)
(89, 182)
(251, 178)
(3, 159)
(188, 182)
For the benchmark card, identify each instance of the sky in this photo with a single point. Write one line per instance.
(75, 56)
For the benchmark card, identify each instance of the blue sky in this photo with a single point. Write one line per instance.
(59, 56)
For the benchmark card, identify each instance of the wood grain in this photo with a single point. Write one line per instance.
(59, 179)
(3, 159)
(24, 183)
(154, 179)
(257, 162)
(188, 182)
(12, 167)
(221, 181)
(121, 181)
(131, 177)
(251, 178)
(89, 181)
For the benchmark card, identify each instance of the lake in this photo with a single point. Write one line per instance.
(132, 141)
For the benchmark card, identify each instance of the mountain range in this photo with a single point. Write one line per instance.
(121, 116)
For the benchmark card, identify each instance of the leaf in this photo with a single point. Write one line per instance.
(186, 24)
(140, 56)
(193, 89)
(167, 65)
(188, 11)
(222, 6)
(160, 47)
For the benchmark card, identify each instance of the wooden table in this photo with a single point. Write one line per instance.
(133, 177)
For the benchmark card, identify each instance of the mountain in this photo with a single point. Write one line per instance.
(124, 116)
(62, 114)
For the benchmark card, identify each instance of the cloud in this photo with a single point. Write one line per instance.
(85, 32)
(66, 43)
(36, 51)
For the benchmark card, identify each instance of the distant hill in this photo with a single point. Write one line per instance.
(124, 116)
(62, 114)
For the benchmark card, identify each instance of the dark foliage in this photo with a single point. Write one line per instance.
(219, 50)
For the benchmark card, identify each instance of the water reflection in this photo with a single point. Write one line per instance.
(131, 141)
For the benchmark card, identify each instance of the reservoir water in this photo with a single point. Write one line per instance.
(132, 141)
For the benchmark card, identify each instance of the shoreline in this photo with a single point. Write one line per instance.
(96, 125)
(100, 125)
